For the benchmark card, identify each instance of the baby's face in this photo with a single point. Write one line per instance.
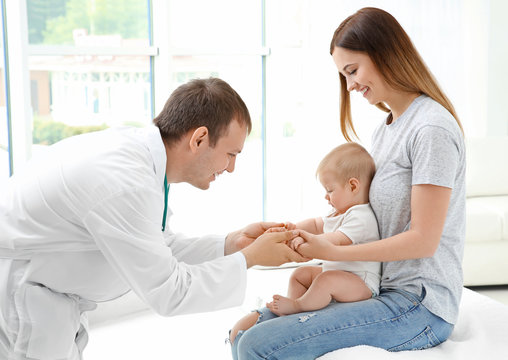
(338, 194)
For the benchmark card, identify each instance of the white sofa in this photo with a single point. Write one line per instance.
(486, 248)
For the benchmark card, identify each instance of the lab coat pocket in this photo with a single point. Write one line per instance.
(51, 323)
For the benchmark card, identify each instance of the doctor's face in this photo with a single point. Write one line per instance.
(213, 161)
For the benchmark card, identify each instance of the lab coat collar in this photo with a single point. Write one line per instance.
(158, 152)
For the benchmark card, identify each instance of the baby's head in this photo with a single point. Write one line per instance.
(346, 173)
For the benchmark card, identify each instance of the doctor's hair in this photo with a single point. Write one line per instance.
(212, 103)
(379, 35)
(346, 161)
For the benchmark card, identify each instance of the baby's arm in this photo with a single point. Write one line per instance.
(312, 225)
(336, 238)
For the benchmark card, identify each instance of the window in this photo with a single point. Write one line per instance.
(89, 65)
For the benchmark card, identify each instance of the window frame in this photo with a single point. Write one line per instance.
(8, 123)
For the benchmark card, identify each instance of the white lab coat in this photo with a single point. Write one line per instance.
(81, 225)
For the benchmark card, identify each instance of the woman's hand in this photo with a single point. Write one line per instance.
(315, 246)
(237, 240)
(270, 249)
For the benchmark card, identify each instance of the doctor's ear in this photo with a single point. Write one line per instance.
(199, 138)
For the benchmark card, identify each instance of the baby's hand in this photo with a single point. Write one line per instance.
(297, 241)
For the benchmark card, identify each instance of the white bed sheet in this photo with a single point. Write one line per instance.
(481, 332)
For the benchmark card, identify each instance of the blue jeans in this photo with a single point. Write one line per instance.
(395, 320)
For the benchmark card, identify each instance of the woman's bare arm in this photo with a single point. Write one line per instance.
(336, 238)
(429, 205)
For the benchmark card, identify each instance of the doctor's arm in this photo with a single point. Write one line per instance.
(125, 228)
(131, 242)
(194, 250)
(429, 205)
(268, 249)
(260, 248)
(271, 249)
(237, 240)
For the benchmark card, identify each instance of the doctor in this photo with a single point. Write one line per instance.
(83, 225)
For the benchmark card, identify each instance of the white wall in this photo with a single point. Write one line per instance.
(497, 111)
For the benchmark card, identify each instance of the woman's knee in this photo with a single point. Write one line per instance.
(243, 324)
(249, 345)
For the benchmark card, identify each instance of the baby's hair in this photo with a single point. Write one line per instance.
(349, 160)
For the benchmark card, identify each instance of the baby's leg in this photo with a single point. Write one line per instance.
(299, 282)
(301, 279)
(334, 284)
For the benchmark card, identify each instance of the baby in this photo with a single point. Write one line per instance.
(345, 173)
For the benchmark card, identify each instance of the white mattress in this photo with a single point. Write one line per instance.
(481, 332)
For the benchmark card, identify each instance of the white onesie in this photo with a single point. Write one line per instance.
(359, 224)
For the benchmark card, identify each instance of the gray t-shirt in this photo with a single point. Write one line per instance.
(423, 146)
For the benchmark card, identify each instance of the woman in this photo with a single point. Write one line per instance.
(417, 194)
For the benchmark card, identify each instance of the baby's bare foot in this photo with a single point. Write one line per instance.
(282, 305)
(272, 308)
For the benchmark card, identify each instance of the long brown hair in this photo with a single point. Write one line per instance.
(378, 34)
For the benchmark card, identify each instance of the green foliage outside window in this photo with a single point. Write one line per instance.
(46, 132)
(53, 21)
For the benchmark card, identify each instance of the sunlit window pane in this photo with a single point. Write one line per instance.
(215, 24)
(74, 94)
(80, 22)
(236, 199)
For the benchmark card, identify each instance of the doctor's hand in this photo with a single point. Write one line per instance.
(271, 249)
(239, 239)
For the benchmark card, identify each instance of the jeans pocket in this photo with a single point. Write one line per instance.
(424, 340)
